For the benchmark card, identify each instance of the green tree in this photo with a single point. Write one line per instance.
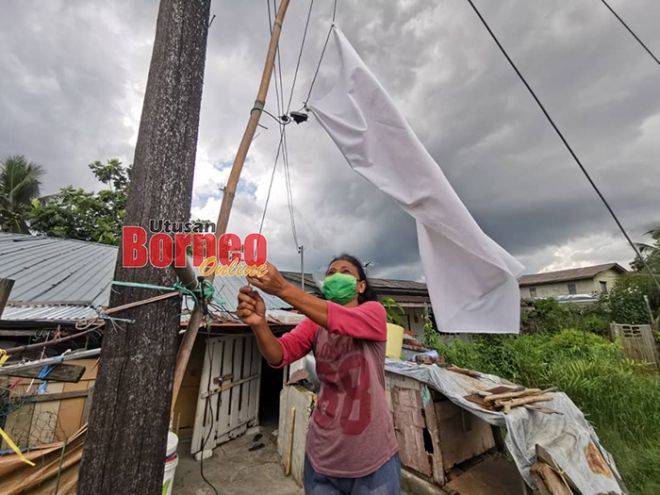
(19, 185)
(90, 216)
(626, 299)
(650, 251)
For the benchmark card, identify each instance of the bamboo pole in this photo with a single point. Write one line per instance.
(197, 316)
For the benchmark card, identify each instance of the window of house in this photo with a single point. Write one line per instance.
(603, 287)
(572, 289)
(532, 292)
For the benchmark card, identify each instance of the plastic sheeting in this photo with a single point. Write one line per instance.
(567, 438)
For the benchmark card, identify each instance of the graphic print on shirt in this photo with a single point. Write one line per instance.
(345, 398)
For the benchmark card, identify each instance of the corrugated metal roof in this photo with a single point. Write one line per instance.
(51, 270)
(380, 285)
(64, 280)
(567, 275)
(48, 313)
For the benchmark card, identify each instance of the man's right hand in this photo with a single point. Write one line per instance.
(251, 307)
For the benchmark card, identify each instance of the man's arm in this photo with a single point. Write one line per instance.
(269, 347)
(311, 306)
(278, 352)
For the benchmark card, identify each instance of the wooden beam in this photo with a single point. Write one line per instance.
(6, 285)
(74, 394)
(61, 373)
(197, 316)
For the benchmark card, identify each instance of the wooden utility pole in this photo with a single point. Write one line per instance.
(125, 447)
(197, 316)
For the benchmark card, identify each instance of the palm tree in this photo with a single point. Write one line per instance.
(19, 185)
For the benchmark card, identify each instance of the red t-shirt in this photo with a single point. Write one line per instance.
(351, 432)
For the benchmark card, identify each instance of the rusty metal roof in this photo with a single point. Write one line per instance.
(380, 285)
(568, 275)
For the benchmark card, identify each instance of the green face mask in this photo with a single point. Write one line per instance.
(340, 288)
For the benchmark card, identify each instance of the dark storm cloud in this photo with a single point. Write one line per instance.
(74, 74)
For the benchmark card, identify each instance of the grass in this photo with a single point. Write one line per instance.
(620, 397)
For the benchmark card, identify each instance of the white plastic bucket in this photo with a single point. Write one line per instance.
(171, 462)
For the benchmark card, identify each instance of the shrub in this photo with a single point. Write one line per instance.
(619, 396)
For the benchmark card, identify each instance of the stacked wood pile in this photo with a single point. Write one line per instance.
(504, 398)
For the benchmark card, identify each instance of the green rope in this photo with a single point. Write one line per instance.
(204, 292)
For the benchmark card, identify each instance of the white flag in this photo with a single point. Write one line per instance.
(471, 279)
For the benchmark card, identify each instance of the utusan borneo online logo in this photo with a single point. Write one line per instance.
(170, 243)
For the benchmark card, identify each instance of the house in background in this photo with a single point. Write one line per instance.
(575, 284)
(413, 297)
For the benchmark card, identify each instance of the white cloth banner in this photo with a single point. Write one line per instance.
(471, 279)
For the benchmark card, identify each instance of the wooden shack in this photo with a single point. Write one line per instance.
(443, 448)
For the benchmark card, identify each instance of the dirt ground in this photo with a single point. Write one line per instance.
(234, 470)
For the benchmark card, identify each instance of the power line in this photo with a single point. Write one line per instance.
(325, 45)
(289, 192)
(282, 146)
(631, 32)
(561, 136)
(302, 46)
(272, 178)
(281, 126)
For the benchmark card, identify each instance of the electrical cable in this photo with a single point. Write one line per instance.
(287, 179)
(302, 47)
(648, 50)
(272, 178)
(279, 146)
(282, 146)
(206, 407)
(318, 66)
(566, 144)
(325, 45)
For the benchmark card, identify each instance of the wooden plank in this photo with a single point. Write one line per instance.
(237, 370)
(253, 387)
(186, 403)
(71, 410)
(492, 476)
(547, 481)
(18, 424)
(637, 340)
(462, 434)
(91, 366)
(409, 425)
(289, 453)
(202, 418)
(88, 406)
(53, 394)
(226, 368)
(61, 373)
(215, 403)
(436, 457)
(256, 385)
(248, 347)
(231, 385)
(299, 399)
(45, 417)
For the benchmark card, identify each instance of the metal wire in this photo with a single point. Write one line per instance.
(566, 144)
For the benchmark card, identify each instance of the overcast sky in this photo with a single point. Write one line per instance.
(74, 74)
